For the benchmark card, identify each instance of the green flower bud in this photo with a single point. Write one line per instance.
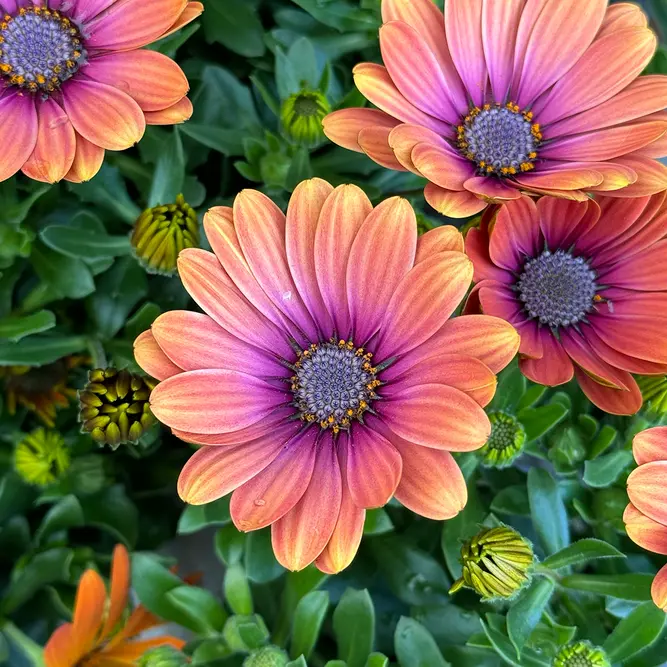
(505, 442)
(269, 656)
(301, 116)
(581, 654)
(162, 232)
(114, 406)
(654, 392)
(41, 458)
(163, 656)
(496, 563)
(232, 636)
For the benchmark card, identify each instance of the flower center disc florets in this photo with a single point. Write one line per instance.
(39, 49)
(581, 654)
(501, 140)
(334, 384)
(557, 288)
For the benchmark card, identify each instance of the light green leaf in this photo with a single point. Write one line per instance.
(354, 627)
(308, 619)
(581, 552)
(415, 647)
(86, 244)
(635, 633)
(605, 470)
(623, 586)
(548, 510)
(526, 611)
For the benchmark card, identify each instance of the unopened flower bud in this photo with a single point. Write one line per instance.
(301, 116)
(505, 442)
(268, 656)
(581, 654)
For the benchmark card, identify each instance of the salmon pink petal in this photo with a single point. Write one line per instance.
(463, 26)
(605, 144)
(154, 81)
(431, 484)
(213, 401)
(192, 11)
(427, 20)
(440, 239)
(374, 83)
(343, 126)
(441, 166)
(615, 176)
(213, 472)
(652, 177)
(173, 115)
(374, 141)
(19, 129)
(650, 445)
(415, 70)
(103, 114)
(381, 255)
(88, 159)
(300, 536)
(567, 29)
(646, 271)
(646, 489)
(212, 289)
(437, 416)
(491, 189)
(568, 178)
(152, 359)
(373, 467)
(499, 43)
(274, 491)
(477, 248)
(341, 218)
(60, 650)
(645, 532)
(500, 301)
(303, 214)
(260, 226)
(613, 401)
(346, 537)
(193, 341)
(563, 222)
(131, 24)
(120, 588)
(84, 10)
(516, 234)
(624, 53)
(553, 368)
(423, 301)
(620, 16)
(659, 589)
(54, 151)
(453, 204)
(404, 137)
(89, 608)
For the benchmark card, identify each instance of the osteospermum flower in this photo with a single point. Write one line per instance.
(100, 634)
(325, 376)
(496, 98)
(583, 283)
(74, 81)
(646, 516)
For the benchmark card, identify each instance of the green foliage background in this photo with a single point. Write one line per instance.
(69, 284)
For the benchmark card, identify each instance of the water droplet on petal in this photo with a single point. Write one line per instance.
(57, 122)
(260, 502)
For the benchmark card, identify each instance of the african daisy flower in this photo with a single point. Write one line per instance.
(503, 96)
(585, 285)
(646, 516)
(74, 81)
(98, 635)
(326, 375)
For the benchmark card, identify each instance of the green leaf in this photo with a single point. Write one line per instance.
(142, 320)
(15, 496)
(66, 276)
(354, 627)
(300, 169)
(604, 439)
(40, 350)
(415, 647)
(636, 632)
(113, 511)
(86, 244)
(504, 648)
(16, 328)
(227, 142)
(623, 586)
(235, 24)
(511, 386)
(377, 660)
(308, 619)
(237, 590)
(67, 513)
(299, 662)
(169, 171)
(526, 611)
(512, 500)
(548, 511)
(197, 517)
(605, 470)
(297, 69)
(377, 522)
(229, 544)
(581, 552)
(260, 563)
(538, 421)
(200, 606)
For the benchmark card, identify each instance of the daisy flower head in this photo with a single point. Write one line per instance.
(75, 81)
(500, 97)
(584, 284)
(325, 375)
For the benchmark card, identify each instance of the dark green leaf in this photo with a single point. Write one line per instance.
(538, 421)
(169, 171)
(581, 552)
(16, 328)
(526, 611)
(113, 511)
(196, 517)
(260, 563)
(67, 513)
(66, 276)
(624, 586)
(199, 605)
(635, 633)
(548, 510)
(415, 647)
(377, 522)
(605, 470)
(86, 244)
(354, 627)
(512, 500)
(235, 24)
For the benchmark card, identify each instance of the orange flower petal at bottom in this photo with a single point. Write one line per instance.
(120, 586)
(453, 204)
(192, 11)
(343, 126)
(88, 159)
(646, 490)
(60, 650)
(173, 115)
(650, 445)
(303, 533)
(645, 532)
(88, 612)
(659, 589)
(152, 359)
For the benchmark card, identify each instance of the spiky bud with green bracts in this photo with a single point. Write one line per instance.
(269, 656)
(496, 563)
(162, 232)
(581, 654)
(654, 392)
(42, 457)
(505, 442)
(163, 656)
(114, 406)
(301, 116)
